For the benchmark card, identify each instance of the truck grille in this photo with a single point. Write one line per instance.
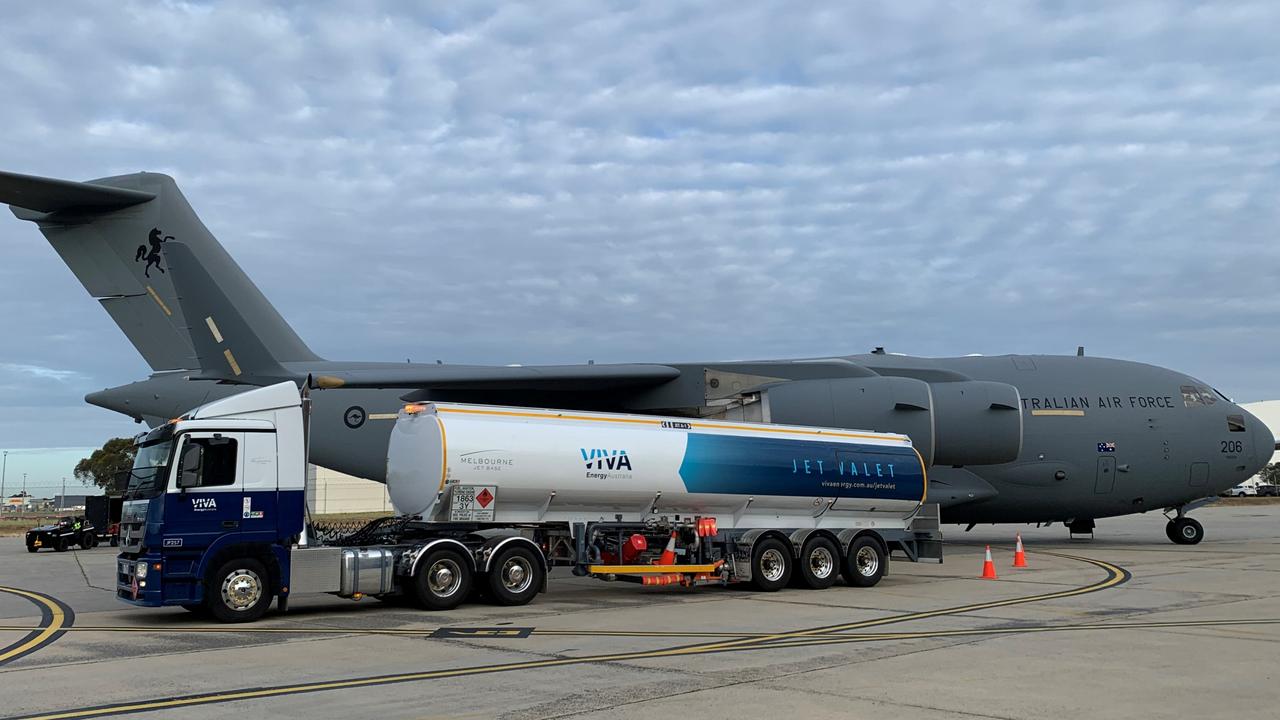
(131, 536)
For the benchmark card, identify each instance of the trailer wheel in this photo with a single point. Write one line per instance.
(237, 592)
(770, 565)
(819, 563)
(865, 564)
(442, 581)
(515, 576)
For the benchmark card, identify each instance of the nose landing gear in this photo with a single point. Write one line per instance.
(1184, 530)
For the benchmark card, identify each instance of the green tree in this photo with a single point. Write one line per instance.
(108, 467)
(1270, 474)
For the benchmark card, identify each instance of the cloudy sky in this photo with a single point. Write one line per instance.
(553, 182)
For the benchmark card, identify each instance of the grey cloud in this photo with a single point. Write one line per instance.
(552, 182)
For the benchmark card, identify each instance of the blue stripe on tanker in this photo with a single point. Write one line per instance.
(776, 466)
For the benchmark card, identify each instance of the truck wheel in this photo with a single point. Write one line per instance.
(865, 564)
(237, 592)
(32, 548)
(443, 580)
(115, 540)
(770, 565)
(60, 544)
(515, 576)
(88, 541)
(819, 563)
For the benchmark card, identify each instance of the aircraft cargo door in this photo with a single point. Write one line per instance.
(1106, 475)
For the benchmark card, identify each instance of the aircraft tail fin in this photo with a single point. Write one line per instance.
(112, 233)
(226, 346)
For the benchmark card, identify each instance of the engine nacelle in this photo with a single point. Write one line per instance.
(976, 422)
(971, 422)
(887, 404)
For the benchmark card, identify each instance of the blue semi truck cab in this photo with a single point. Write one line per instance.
(222, 485)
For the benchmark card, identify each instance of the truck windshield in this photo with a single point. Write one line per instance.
(150, 467)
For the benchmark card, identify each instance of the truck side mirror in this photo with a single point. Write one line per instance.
(189, 470)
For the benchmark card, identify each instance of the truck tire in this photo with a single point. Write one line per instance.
(60, 544)
(865, 562)
(515, 575)
(819, 564)
(442, 581)
(32, 548)
(237, 591)
(115, 540)
(88, 541)
(770, 565)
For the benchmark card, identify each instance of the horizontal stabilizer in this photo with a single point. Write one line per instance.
(49, 195)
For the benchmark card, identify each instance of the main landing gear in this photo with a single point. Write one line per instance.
(1184, 530)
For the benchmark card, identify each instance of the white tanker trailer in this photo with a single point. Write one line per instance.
(492, 498)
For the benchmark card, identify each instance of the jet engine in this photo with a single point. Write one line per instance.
(967, 422)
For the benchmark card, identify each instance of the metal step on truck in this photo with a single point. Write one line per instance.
(489, 499)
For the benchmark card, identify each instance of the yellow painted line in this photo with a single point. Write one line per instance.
(1059, 413)
(58, 620)
(657, 422)
(444, 457)
(1116, 576)
(213, 328)
(156, 296)
(231, 360)
(651, 569)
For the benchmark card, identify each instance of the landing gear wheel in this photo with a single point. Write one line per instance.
(237, 591)
(515, 576)
(1184, 531)
(88, 541)
(819, 563)
(443, 580)
(770, 565)
(865, 563)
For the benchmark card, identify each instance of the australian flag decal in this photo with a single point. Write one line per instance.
(1106, 447)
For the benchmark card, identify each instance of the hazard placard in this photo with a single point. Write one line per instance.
(473, 503)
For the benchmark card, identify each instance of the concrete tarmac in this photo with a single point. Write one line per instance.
(1125, 626)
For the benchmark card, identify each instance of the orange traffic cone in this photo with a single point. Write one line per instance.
(988, 567)
(1019, 555)
(668, 556)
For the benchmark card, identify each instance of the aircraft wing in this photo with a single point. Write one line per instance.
(484, 377)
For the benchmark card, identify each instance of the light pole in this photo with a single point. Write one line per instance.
(4, 499)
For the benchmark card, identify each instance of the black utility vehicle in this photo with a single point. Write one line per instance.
(67, 531)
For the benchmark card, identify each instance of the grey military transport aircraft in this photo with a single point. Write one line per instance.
(1009, 439)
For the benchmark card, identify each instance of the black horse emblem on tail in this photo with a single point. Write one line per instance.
(152, 255)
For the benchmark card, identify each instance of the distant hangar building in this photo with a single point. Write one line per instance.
(329, 491)
(1268, 411)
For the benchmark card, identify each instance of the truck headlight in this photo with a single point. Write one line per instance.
(140, 571)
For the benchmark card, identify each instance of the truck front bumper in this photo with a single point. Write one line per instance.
(149, 587)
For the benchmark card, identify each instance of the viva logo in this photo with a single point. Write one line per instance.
(601, 459)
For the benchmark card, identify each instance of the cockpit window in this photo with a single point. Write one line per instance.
(1190, 396)
(1235, 423)
(1193, 395)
